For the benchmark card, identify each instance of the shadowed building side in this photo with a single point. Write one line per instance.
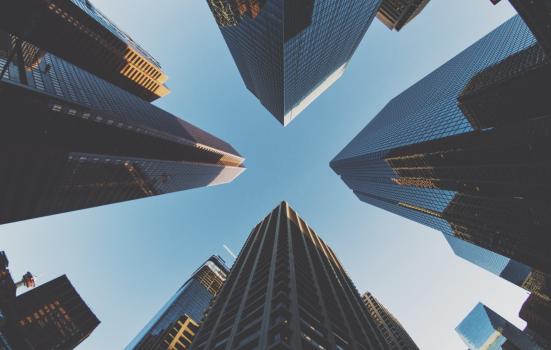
(51, 316)
(287, 290)
(78, 32)
(466, 149)
(536, 311)
(72, 141)
(54, 316)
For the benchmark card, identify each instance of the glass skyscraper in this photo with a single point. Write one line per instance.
(52, 316)
(287, 290)
(189, 303)
(466, 149)
(71, 140)
(290, 51)
(513, 271)
(536, 311)
(483, 329)
(78, 32)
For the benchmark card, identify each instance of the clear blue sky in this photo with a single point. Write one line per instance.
(126, 260)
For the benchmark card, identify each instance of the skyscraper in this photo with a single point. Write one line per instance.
(466, 149)
(395, 14)
(287, 290)
(513, 271)
(536, 311)
(290, 51)
(54, 316)
(537, 14)
(78, 32)
(485, 329)
(178, 320)
(71, 140)
(51, 316)
(395, 335)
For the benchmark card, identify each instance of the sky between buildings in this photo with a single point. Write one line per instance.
(127, 259)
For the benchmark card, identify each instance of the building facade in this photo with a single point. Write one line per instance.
(177, 322)
(537, 15)
(289, 52)
(78, 32)
(395, 14)
(54, 316)
(485, 329)
(396, 337)
(50, 317)
(72, 141)
(536, 311)
(524, 276)
(287, 290)
(181, 334)
(466, 149)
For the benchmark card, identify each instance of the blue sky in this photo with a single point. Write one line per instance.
(127, 259)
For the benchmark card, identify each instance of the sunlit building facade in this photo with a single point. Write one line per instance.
(72, 141)
(78, 32)
(466, 149)
(396, 337)
(289, 52)
(176, 324)
(484, 329)
(287, 290)
(395, 14)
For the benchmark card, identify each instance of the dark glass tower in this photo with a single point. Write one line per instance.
(466, 150)
(484, 329)
(54, 316)
(287, 290)
(71, 140)
(395, 14)
(536, 311)
(537, 14)
(178, 320)
(513, 271)
(78, 32)
(396, 337)
(290, 51)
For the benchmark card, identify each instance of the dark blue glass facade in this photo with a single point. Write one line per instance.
(289, 52)
(192, 299)
(428, 110)
(73, 141)
(506, 268)
(485, 329)
(424, 157)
